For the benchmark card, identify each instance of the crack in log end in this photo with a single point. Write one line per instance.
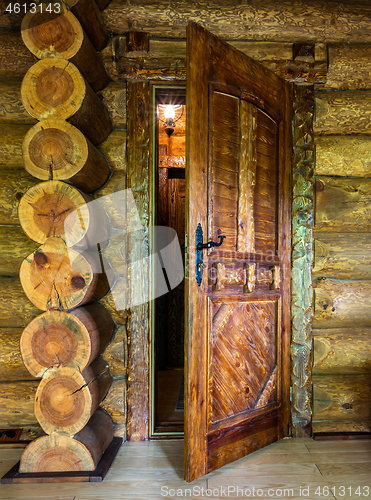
(105, 370)
(78, 282)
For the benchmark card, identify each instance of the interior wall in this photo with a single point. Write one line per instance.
(342, 271)
(342, 360)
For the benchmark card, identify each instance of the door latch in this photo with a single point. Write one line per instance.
(200, 245)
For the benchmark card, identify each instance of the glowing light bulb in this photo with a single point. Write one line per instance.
(169, 112)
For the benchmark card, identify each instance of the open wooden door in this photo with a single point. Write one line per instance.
(238, 317)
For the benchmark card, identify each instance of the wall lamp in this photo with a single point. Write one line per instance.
(171, 115)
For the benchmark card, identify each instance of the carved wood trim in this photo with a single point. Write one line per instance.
(250, 278)
(302, 259)
(138, 99)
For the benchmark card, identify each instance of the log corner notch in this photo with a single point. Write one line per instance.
(56, 150)
(62, 453)
(59, 34)
(55, 88)
(88, 13)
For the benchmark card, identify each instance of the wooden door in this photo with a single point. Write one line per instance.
(237, 319)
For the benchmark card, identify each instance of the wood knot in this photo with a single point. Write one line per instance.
(319, 185)
(348, 406)
(40, 259)
(78, 282)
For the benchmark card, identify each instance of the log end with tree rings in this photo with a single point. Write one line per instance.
(53, 88)
(66, 398)
(55, 339)
(59, 453)
(56, 150)
(47, 34)
(56, 277)
(54, 208)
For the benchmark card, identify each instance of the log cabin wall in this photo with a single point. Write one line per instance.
(289, 39)
(17, 386)
(341, 274)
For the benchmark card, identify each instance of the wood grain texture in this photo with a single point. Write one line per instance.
(302, 258)
(218, 77)
(17, 403)
(11, 107)
(115, 401)
(342, 112)
(295, 21)
(56, 339)
(338, 255)
(48, 34)
(55, 208)
(114, 98)
(11, 138)
(56, 150)
(116, 353)
(341, 403)
(114, 149)
(349, 67)
(341, 303)
(58, 277)
(11, 365)
(342, 350)
(343, 155)
(66, 398)
(138, 180)
(61, 453)
(15, 58)
(342, 204)
(16, 310)
(245, 341)
(247, 178)
(15, 246)
(88, 13)
(58, 90)
(13, 184)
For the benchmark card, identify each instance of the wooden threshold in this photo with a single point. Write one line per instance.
(337, 436)
(14, 476)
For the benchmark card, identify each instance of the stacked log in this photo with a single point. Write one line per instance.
(64, 276)
(342, 277)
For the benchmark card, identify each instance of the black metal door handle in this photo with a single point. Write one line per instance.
(210, 244)
(200, 245)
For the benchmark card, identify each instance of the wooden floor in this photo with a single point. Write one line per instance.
(154, 470)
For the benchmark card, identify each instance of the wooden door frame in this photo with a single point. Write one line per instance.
(139, 152)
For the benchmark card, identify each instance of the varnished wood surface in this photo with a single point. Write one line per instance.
(343, 112)
(343, 155)
(19, 311)
(337, 255)
(343, 205)
(15, 246)
(62, 35)
(342, 350)
(341, 303)
(295, 21)
(349, 67)
(11, 138)
(231, 96)
(341, 403)
(15, 58)
(291, 463)
(12, 109)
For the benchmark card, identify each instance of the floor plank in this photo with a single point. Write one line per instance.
(154, 470)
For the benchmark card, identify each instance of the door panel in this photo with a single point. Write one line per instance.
(238, 321)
